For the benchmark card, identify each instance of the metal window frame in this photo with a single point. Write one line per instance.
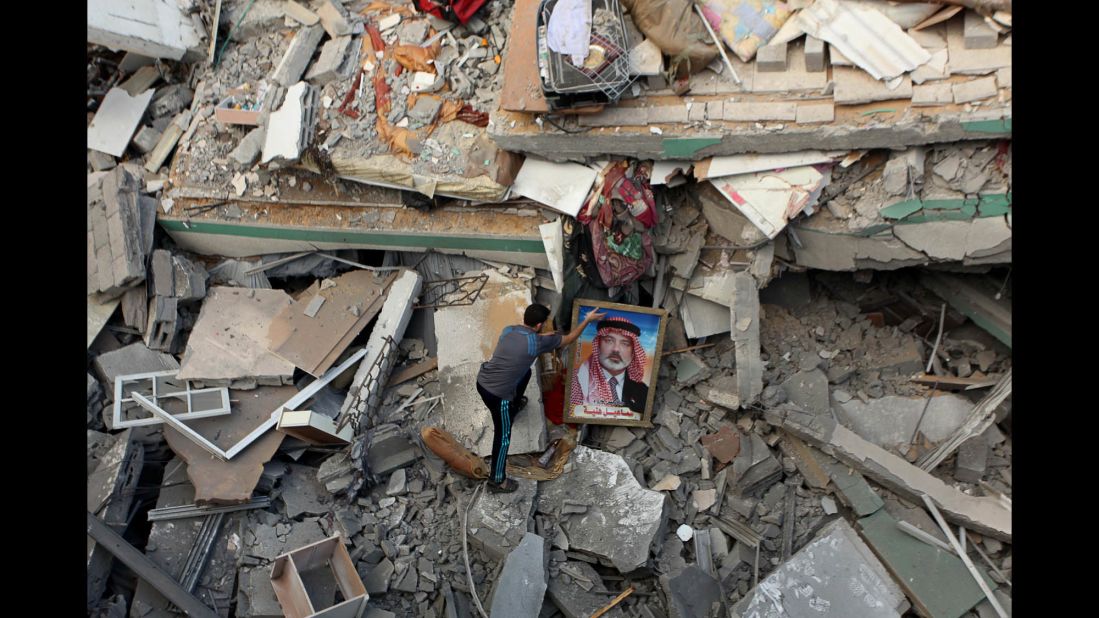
(290, 404)
(186, 394)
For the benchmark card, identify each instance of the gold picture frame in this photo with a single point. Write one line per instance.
(587, 382)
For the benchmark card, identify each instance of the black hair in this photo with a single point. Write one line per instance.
(535, 314)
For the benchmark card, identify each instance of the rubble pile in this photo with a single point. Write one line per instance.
(310, 222)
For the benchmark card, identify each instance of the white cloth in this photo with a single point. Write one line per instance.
(569, 29)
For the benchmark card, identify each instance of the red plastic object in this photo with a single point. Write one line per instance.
(553, 401)
(451, 10)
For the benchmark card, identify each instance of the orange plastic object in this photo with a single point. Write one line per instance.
(454, 454)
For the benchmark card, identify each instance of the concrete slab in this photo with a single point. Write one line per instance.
(134, 358)
(890, 421)
(153, 28)
(228, 345)
(986, 515)
(702, 318)
(855, 86)
(116, 120)
(217, 481)
(622, 519)
(110, 494)
(809, 391)
(744, 319)
(576, 600)
(522, 583)
(170, 542)
(836, 575)
(467, 336)
(936, 581)
(691, 592)
(297, 56)
(498, 522)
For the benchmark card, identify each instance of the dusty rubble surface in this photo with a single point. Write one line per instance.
(280, 307)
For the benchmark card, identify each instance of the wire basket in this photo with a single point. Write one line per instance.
(606, 74)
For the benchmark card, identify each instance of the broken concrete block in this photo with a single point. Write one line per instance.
(808, 390)
(425, 110)
(754, 112)
(116, 120)
(581, 592)
(755, 468)
(214, 357)
(134, 358)
(249, 148)
(100, 161)
(890, 421)
(333, 18)
(814, 54)
(497, 522)
(771, 58)
(297, 56)
(328, 66)
(835, 574)
(895, 176)
(815, 112)
(691, 593)
(377, 579)
(855, 86)
(290, 128)
(932, 94)
(501, 303)
(389, 324)
(522, 583)
(171, 100)
(744, 317)
(300, 13)
(388, 449)
(168, 140)
(978, 34)
(614, 495)
(146, 139)
(163, 325)
(646, 59)
(972, 460)
(975, 89)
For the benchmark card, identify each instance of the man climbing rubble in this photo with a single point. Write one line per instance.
(503, 379)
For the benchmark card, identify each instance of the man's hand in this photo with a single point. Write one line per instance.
(593, 316)
(579, 328)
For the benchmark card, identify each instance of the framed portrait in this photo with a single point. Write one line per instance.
(614, 364)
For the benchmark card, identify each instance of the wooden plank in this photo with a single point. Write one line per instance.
(313, 343)
(414, 371)
(522, 88)
(214, 32)
(146, 570)
(951, 383)
(983, 308)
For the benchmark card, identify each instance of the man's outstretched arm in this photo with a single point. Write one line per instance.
(575, 333)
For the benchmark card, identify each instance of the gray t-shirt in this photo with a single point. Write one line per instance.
(515, 352)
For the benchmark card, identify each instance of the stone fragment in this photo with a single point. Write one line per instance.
(581, 593)
(497, 521)
(607, 483)
(522, 583)
(692, 592)
(808, 390)
(724, 445)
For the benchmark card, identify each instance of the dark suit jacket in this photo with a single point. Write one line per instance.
(635, 395)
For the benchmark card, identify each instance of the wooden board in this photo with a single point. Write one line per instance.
(414, 371)
(522, 88)
(314, 343)
(231, 482)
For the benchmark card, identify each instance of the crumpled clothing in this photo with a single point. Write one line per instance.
(630, 246)
(569, 29)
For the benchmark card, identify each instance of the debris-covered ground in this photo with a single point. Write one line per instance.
(307, 234)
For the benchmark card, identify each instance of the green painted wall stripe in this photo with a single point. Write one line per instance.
(916, 211)
(1000, 125)
(383, 239)
(676, 147)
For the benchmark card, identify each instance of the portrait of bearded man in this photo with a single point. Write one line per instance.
(614, 372)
